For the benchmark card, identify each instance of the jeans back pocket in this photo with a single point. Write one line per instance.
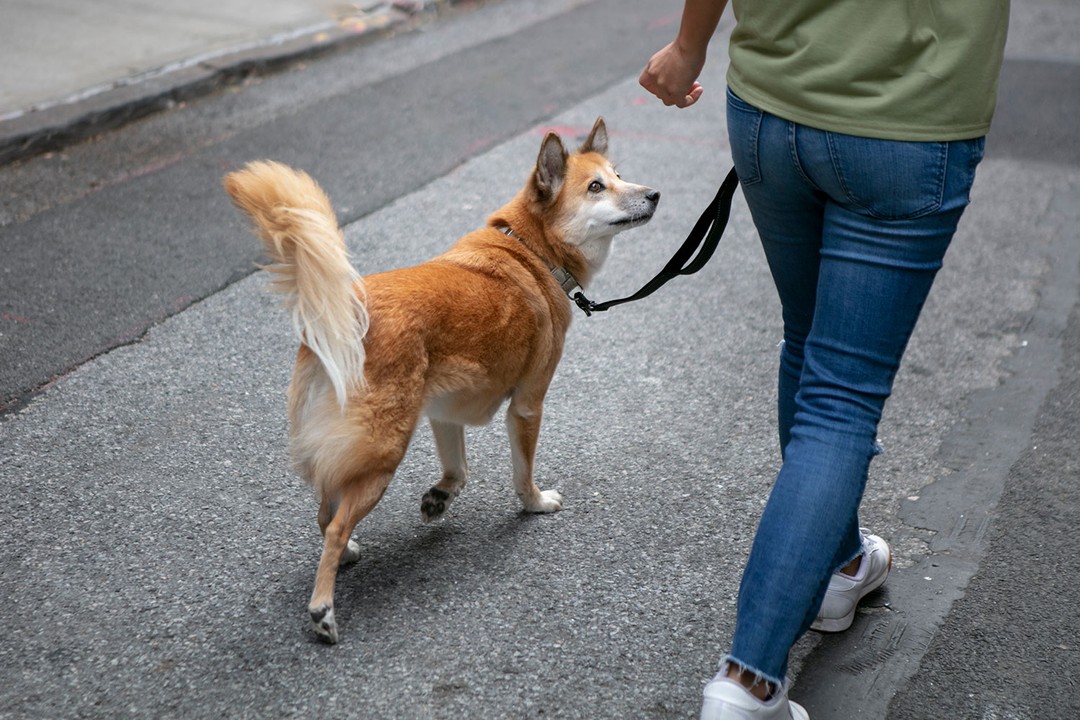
(890, 179)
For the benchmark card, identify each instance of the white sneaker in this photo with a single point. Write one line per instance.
(728, 700)
(845, 591)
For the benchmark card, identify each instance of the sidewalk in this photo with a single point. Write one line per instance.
(70, 69)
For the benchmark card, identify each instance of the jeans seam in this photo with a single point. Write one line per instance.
(755, 158)
(793, 148)
(752, 141)
(944, 166)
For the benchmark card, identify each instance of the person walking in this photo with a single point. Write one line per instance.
(855, 129)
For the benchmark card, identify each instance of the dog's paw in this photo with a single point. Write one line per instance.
(548, 501)
(434, 504)
(351, 554)
(322, 621)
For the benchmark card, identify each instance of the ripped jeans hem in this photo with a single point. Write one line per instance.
(777, 684)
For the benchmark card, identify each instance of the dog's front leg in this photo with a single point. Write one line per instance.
(523, 425)
(450, 442)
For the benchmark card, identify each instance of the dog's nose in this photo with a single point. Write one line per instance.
(653, 196)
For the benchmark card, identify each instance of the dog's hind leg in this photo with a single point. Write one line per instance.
(450, 442)
(328, 507)
(523, 425)
(356, 501)
(358, 477)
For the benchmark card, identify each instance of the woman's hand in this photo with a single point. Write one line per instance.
(671, 75)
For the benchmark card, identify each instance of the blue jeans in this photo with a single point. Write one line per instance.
(854, 231)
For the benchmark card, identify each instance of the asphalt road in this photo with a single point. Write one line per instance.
(159, 552)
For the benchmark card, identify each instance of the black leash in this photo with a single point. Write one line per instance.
(705, 235)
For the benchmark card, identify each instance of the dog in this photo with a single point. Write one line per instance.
(452, 338)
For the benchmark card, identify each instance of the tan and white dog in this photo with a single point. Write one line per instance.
(452, 338)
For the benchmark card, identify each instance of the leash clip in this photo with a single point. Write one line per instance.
(587, 306)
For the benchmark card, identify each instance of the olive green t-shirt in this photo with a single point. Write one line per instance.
(923, 70)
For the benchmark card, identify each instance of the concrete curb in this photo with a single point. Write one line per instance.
(58, 126)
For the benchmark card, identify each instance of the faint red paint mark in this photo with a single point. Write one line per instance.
(665, 21)
(12, 317)
(562, 130)
(97, 186)
(152, 167)
(480, 145)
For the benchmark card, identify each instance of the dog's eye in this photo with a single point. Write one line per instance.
(596, 186)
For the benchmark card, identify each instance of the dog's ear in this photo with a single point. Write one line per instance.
(550, 167)
(597, 140)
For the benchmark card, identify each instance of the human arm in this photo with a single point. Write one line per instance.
(671, 74)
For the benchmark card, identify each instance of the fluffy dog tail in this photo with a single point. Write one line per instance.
(310, 264)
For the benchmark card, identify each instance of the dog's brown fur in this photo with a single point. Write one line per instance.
(452, 338)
